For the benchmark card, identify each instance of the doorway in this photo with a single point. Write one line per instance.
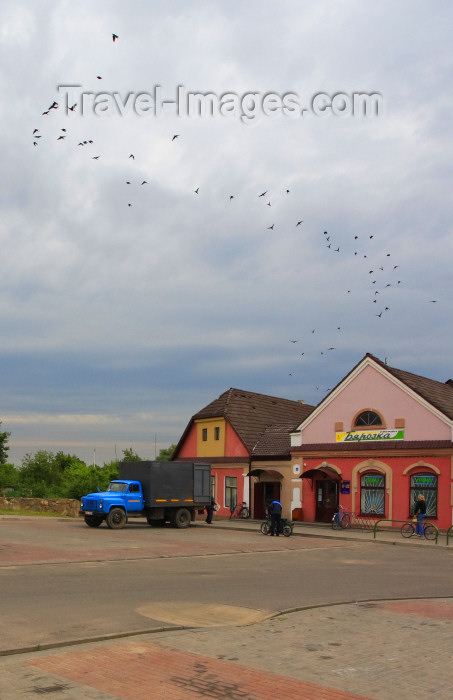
(326, 500)
(264, 492)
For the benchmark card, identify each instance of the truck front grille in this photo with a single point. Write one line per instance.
(91, 504)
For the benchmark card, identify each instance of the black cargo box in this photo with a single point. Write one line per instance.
(170, 483)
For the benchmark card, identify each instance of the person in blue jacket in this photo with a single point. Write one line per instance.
(275, 511)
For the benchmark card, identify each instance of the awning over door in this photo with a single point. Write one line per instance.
(324, 472)
(268, 472)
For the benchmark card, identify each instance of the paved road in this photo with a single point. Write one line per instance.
(63, 582)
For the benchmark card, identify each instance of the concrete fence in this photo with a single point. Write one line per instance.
(59, 506)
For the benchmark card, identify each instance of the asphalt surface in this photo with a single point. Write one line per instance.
(347, 640)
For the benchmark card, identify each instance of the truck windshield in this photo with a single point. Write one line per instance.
(115, 486)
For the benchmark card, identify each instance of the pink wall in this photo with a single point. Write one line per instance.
(400, 492)
(370, 389)
(234, 447)
(188, 449)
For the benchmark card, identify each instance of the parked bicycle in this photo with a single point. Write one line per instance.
(408, 529)
(239, 511)
(286, 527)
(341, 519)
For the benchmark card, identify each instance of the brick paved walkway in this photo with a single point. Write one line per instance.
(391, 650)
(144, 670)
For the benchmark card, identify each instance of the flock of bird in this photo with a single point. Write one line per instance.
(382, 276)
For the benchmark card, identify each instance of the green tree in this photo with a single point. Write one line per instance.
(9, 477)
(49, 475)
(78, 479)
(4, 446)
(129, 455)
(166, 453)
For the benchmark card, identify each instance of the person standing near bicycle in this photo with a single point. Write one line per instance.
(420, 514)
(275, 512)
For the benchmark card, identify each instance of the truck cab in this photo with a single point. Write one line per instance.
(121, 498)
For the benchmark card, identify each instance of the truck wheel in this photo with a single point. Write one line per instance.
(116, 519)
(94, 520)
(181, 518)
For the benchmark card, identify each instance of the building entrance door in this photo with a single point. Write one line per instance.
(326, 500)
(264, 493)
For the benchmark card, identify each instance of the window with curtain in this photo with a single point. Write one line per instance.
(426, 484)
(372, 494)
(231, 491)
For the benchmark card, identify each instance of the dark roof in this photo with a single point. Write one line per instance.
(275, 440)
(251, 414)
(438, 394)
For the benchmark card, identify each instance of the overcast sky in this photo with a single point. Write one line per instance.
(126, 308)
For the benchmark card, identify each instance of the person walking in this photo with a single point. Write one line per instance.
(420, 514)
(210, 510)
(275, 511)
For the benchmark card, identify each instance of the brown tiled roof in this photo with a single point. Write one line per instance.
(251, 414)
(438, 394)
(275, 441)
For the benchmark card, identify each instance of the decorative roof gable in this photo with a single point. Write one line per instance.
(438, 394)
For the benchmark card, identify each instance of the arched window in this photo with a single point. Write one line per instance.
(372, 494)
(425, 483)
(368, 419)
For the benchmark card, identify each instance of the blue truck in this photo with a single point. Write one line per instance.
(162, 492)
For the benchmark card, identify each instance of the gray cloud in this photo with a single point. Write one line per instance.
(119, 322)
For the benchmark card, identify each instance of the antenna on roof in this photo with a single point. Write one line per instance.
(385, 360)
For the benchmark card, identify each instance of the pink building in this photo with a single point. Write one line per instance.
(380, 438)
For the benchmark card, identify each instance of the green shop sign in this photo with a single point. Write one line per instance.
(364, 435)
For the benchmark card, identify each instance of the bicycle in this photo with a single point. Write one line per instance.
(341, 519)
(408, 529)
(286, 525)
(239, 511)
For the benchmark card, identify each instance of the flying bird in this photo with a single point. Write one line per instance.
(262, 194)
(132, 156)
(196, 191)
(73, 107)
(231, 197)
(99, 77)
(114, 37)
(96, 157)
(293, 341)
(175, 137)
(300, 222)
(271, 228)
(144, 182)
(35, 131)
